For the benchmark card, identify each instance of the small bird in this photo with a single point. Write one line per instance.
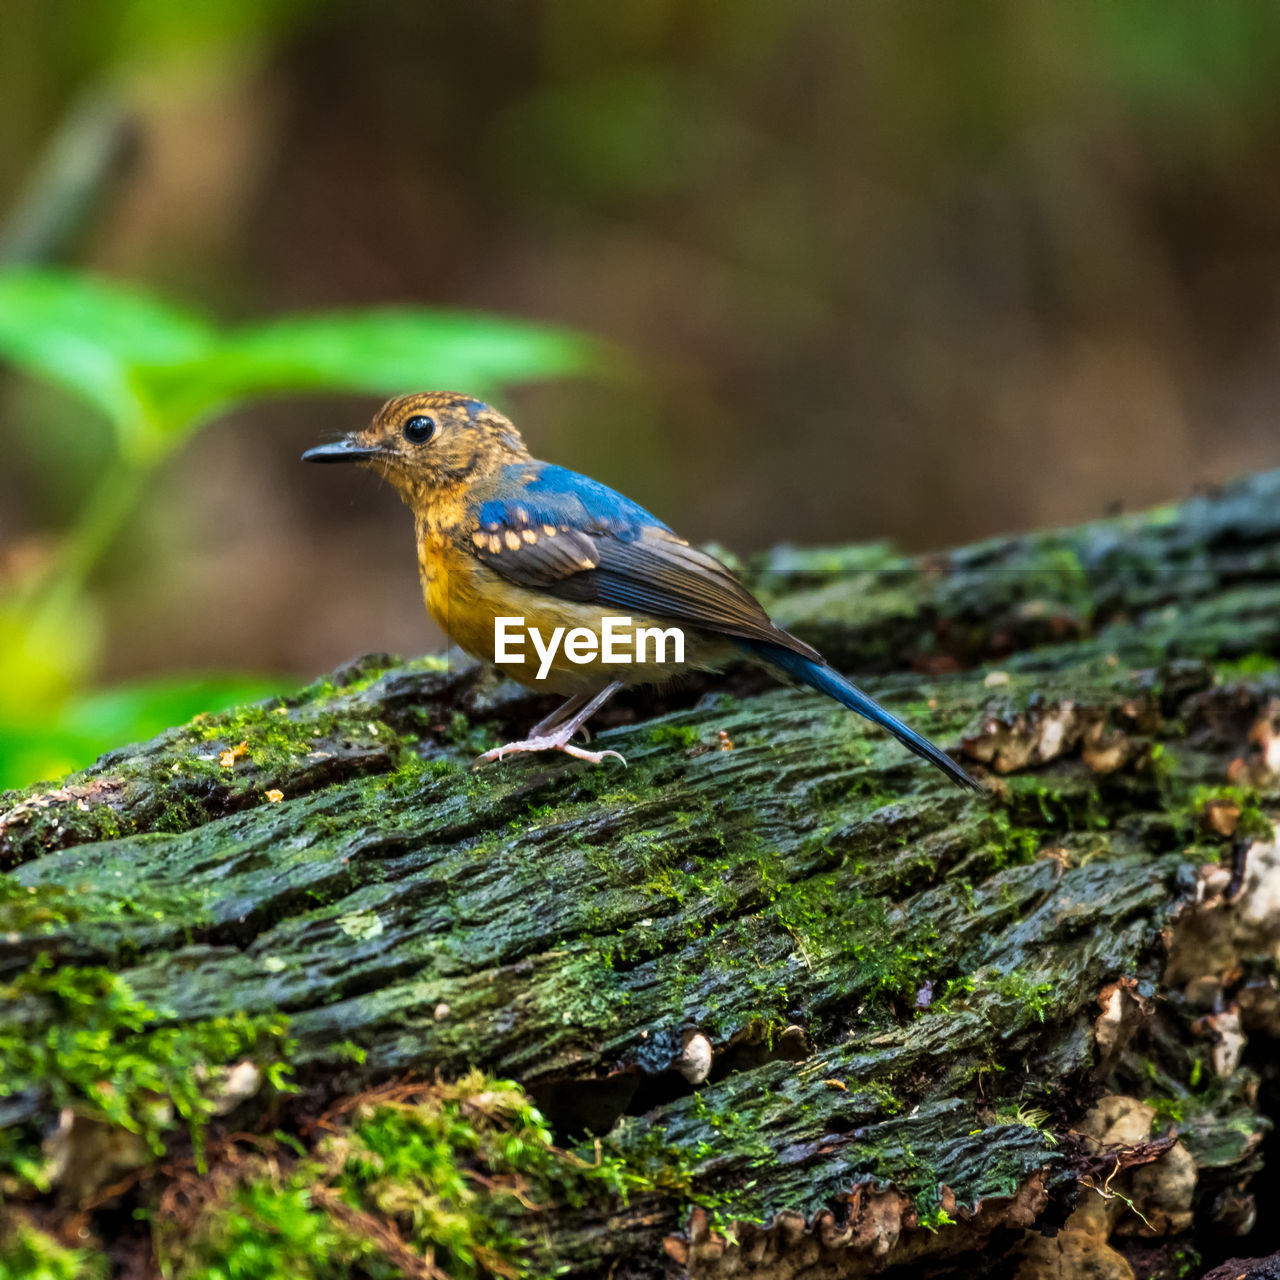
(502, 536)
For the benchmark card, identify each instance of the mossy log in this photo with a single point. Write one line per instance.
(790, 1003)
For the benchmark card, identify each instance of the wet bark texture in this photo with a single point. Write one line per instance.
(874, 1020)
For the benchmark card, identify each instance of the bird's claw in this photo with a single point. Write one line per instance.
(553, 742)
(595, 757)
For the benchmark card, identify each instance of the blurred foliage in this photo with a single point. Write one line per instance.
(158, 374)
(49, 740)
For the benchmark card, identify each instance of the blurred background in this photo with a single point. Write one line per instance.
(918, 272)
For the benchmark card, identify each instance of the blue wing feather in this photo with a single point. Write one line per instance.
(548, 494)
(609, 550)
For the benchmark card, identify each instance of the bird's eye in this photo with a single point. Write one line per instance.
(419, 429)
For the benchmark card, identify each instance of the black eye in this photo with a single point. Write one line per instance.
(419, 429)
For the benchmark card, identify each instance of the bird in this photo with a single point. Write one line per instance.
(502, 536)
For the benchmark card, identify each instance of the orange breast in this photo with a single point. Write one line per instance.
(465, 596)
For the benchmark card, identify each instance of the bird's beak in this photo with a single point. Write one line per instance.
(348, 450)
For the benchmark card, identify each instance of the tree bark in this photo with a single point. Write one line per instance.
(790, 977)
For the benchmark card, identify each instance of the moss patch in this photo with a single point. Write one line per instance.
(79, 1037)
(453, 1175)
(29, 1254)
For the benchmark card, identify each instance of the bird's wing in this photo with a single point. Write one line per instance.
(552, 530)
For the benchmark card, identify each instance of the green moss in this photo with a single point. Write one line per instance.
(272, 1229)
(1028, 1117)
(753, 914)
(80, 1037)
(453, 1172)
(954, 993)
(179, 815)
(1006, 844)
(471, 739)
(275, 737)
(808, 912)
(934, 1218)
(1247, 668)
(674, 735)
(33, 911)
(411, 778)
(828, 918)
(1016, 988)
(28, 1254)
(641, 1158)
(1252, 821)
(1036, 804)
(886, 1101)
(374, 668)
(25, 909)
(57, 823)
(1212, 1113)
(105, 823)
(1056, 572)
(1169, 1112)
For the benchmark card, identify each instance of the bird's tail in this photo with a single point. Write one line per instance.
(817, 675)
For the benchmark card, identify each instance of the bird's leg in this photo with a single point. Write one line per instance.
(553, 733)
(544, 727)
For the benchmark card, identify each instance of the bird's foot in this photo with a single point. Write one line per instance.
(551, 742)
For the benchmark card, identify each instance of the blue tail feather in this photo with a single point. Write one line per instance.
(819, 676)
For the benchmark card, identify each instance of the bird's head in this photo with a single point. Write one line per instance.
(427, 441)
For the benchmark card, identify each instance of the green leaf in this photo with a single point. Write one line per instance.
(94, 339)
(157, 371)
(53, 743)
(131, 712)
(384, 352)
(33, 753)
